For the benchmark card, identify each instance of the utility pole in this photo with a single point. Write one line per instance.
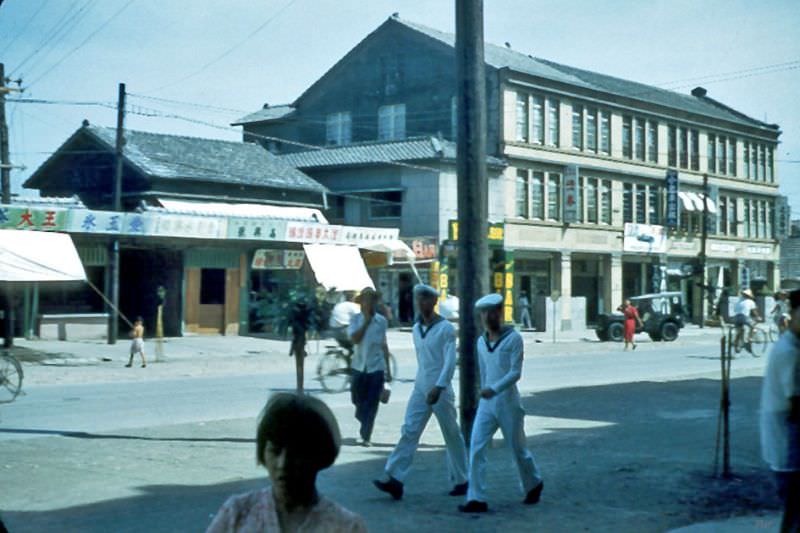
(5, 184)
(113, 267)
(473, 260)
(703, 261)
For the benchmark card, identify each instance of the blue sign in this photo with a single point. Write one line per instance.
(671, 185)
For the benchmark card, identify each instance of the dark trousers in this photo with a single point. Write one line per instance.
(365, 391)
(789, 491)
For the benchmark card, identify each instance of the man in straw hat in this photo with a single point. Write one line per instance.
(744, 312)
(435, 345)
(370, 367)
(500, 352)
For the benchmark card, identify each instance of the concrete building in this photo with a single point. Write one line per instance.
(577, 175)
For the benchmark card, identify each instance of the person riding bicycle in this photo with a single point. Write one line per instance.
(780, 313)
(341, 316)
(745, 312)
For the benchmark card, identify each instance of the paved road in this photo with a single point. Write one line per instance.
(97, 407)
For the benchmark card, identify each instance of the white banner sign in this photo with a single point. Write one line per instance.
(644, 238)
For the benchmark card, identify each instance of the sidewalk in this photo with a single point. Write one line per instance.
(740, 524)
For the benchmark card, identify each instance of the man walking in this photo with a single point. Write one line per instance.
(435, 344)
(524, 310)
(780, 416)
(500, 352)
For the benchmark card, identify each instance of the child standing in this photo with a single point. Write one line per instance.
(137, 343)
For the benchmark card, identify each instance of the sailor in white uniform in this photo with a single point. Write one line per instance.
(435, 344)
(500, 352)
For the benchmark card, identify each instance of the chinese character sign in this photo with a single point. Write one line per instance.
(42, 219)
(673, 206)
(572, 204)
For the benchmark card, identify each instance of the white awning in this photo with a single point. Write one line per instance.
(696, 200)
(38, 256)
(712, 207)
(397, 248)
(184, 207)
(338, 267)
(686, 200)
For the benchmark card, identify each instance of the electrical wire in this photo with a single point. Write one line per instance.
(23, 28)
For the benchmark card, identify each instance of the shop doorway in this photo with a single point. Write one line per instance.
(212, 300)
(405, 298)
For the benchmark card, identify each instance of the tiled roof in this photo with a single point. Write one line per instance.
(265, 114)
(175, 156)
(503, 57)
(411, 149)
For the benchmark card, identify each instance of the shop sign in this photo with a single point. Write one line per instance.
(572, 204)
(783, 218)
(723, 247)
(110, 222)
(759, 250)
(682, 245)
(312, 232)
(423, 248)
(494, 234)
(188, 226)
(256, 229)
(644, 238)
(25, 218)
(671, 186)
(278, 259)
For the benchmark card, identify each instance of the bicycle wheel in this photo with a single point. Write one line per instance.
(759, 343)
(10, 378)
(774, 332)
(333, 372)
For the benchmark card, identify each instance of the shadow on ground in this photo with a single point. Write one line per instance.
(634, 457)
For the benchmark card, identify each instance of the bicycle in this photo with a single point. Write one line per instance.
(775, 330)
(757, 345)
(10, 378)
(334, 370)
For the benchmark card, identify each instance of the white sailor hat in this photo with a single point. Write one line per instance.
(426, 290)
(489, 301)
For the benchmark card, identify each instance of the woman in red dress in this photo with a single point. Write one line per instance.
(631, 319)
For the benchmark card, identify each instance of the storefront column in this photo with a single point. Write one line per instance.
(774, 276)
(565, 298)
(738, 268)
(615, 283)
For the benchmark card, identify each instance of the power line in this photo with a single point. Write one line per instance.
(188, 104)
(731, 73)
(226, 52)
(23, 28)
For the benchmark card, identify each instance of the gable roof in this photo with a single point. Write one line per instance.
(159, 155)
(378, 152)
(267, 113)
(502, 57)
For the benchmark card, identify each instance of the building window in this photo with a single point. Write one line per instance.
(762, 160)
(537, 196)
(731, 156)
(386, 204)
(522, 194)
(392, 122)
(336, 207)
(627, 202)
(683, 147)
(732, 217)
(770, 164)
(641, 204)
(591, 129)
(338, 128)
(746, 156)
(638, 139)
(722, 160)
(554, 196)
(652, 141)
(694, 140)
(626, 137)
(538, 119)
(577, 127)
(552, 122)
(746, 219)
(723, 215)
(754, 161)
(672, 148)
(605, 133)
(712, 153)
(768, 214)
(605, 201)
(522, 117)
(654, 205)
(212, 286)
(591, 200)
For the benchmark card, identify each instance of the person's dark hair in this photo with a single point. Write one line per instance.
(300, 422)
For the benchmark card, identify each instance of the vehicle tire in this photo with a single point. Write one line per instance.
(333, 372)
(10, 378)
(616, 332)
(602, 335)
(669, 331)
(655, 337)
(758, 346)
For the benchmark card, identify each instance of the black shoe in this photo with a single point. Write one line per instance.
(392, 487)
(474, 506)
(459, 490)
(534, 494)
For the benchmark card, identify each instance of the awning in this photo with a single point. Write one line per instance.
(184, 207)
(38, 256)
(712, 207)
(696, 200)
(338, 267)
(397, 248)
(686, 200)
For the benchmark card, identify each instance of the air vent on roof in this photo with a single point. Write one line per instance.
(266, 105)
(508, 44)
(85, 122)
(699, 91)
(396, 15)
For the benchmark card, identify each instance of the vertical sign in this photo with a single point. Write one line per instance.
(572, 205)
(671, 185)
(782, 218)
(745, 278)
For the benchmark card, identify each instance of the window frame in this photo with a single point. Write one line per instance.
(394, 113)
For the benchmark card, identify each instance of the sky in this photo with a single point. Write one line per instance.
(228, 58)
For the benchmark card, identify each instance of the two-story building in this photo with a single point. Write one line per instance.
(577, 164)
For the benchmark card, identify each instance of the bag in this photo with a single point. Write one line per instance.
(386, 393)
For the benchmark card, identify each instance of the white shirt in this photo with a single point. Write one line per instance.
(744, 306)
(342, 313)
(436, 354)
(369, 356)
(501, 363)
(781, 382)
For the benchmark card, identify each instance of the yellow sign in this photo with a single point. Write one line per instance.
(498, 280)
(495, 233)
